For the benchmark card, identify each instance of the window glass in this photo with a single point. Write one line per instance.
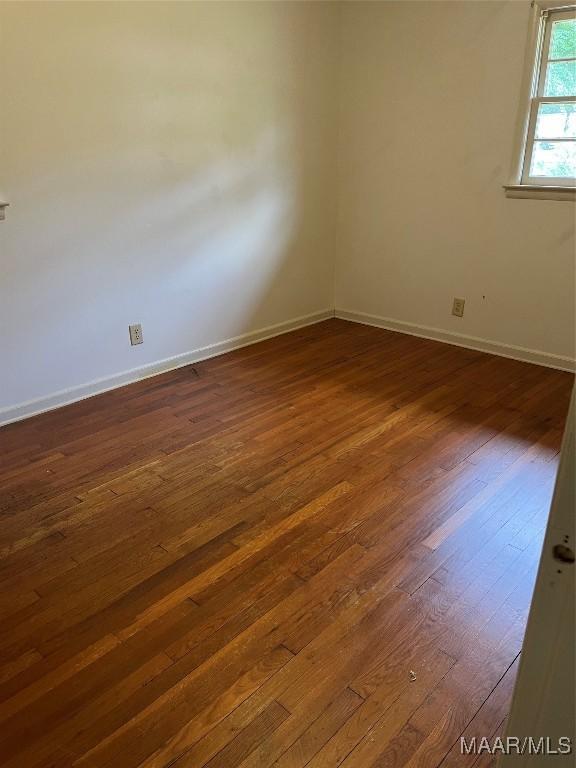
(560, 78)
(563, 39)
(553, 159)
(556, 121)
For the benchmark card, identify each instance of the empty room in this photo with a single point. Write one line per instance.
(287, 352)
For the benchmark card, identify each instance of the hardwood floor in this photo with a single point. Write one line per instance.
(241, 563)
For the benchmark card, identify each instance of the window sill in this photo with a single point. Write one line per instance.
(542, 192)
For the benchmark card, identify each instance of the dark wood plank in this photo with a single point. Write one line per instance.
(241, 562)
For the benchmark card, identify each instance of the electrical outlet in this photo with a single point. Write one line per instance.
(458, 307)
(135, 334)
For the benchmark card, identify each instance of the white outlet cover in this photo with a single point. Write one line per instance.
(135, 332)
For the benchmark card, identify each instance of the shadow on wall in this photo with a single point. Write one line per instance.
(180, 180)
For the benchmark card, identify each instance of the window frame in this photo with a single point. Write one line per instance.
(547, 17)
(521, 183)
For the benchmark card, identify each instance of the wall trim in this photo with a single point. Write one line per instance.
(98, 386)
(71, 395)
(524, 354)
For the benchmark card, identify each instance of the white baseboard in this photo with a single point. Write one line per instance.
(462, 340)
(98, 386)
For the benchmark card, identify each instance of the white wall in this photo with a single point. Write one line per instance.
(429, 106)
(166, 163)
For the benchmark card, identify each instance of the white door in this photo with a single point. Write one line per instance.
(543, 701)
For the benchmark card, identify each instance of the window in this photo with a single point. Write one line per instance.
(548, 147)
(550, 156)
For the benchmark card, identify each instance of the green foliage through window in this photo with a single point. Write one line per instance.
(563, 39)
(554, 147)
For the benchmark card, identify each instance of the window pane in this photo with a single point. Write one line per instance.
(563, 39)
(556, 159)
(560, 78)
(556, 121)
